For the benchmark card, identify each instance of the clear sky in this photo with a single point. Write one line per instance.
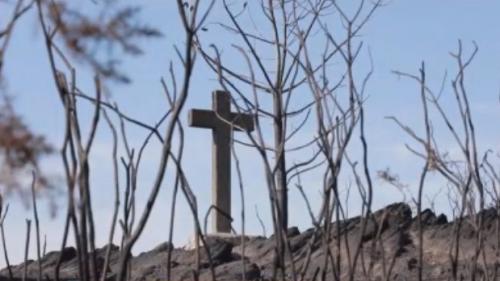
(400, 36)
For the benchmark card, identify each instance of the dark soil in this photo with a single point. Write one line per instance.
(388, 251)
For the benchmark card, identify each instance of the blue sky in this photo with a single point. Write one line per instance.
(399, 36)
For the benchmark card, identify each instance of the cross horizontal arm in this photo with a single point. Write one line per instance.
(202, 118)
(208, 119)
(242, 121)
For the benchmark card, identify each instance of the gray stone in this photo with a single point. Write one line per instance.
(397, 242)
(163, 247)
(234, 271)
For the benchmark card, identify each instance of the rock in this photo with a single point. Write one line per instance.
(429, 218)
(220, 251)
(299, 241)
(233, 271)
(441, 219)
(163, 247)
(234, 239)
(256, 247)
(412, 264)
(290, 232)
(395, 214)
(50, 259)
(390, 234)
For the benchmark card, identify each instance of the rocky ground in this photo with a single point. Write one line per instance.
(389, 251)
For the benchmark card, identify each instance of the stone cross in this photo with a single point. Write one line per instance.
(221, 120)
